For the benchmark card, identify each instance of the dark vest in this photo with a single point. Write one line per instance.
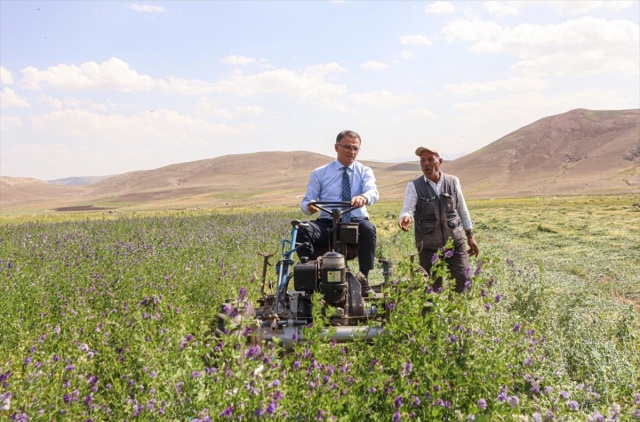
(436, 218)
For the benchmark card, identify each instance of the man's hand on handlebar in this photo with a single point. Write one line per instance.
(358, 201)
(312, 208)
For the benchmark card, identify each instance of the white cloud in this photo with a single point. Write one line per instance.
(577, 7)
(7, 122)
(439, 8)
(585, 45)
(374, 65)
(111, 74)
(422, 113)
(522, 84)
(324, 69)
(211, 107)
(147, 8)
(115, 74)
(6, 77)
(51, 102)
(283, 82)
(239, 60)
(9, 98)
(253, 110)
(503, 8)
(161, 126)
(406, 54)
(415, 40)
(382, 99)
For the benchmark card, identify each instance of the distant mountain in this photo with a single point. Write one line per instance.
(578, 152)
(78, 181)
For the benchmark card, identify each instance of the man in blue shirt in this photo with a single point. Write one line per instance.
(326, 184)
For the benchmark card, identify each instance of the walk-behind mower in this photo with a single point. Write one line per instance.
(284, 313)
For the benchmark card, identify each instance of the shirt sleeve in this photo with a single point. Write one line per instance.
(410, 201)
(370, 190)
(462, 210)
(313, 192)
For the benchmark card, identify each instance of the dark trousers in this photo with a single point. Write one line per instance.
(458, 264)
(317, 234)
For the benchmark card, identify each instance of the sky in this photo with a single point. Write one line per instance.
(95, 88)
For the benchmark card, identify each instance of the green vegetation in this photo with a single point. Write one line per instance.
(109, 317)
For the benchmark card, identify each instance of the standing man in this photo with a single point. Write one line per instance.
(327, 183)
(435, 201)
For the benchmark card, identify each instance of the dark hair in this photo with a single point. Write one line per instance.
(349, 134)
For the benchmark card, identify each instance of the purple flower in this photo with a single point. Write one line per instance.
(498, 298)
(596, 417)
(527, 362)
(482, 404)
(502, 396)
(572, 405)
(253, 351)
(487, 306)
(88, 400)
(564, 395)
(408, 367)
(243, 293)
(271, 408)
(6, 401)
(27, 360)
(478, 270)
(227, 413)
(516, 328)
(448, 253)
(398, 402)
(195, 374)
(453, 338)
(513, 401)
(397, 415)
(434, 258)
(320, 415)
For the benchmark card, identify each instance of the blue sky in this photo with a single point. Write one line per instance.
(93, 88)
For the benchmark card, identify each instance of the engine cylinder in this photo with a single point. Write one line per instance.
(334, 278)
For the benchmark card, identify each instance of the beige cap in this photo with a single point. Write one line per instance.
(420, 150)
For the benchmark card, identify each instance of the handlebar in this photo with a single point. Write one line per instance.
(334, 208)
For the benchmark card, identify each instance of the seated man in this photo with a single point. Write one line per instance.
(344, 179)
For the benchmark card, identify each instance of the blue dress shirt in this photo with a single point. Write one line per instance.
(325, 184)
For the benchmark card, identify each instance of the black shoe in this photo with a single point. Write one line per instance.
(366, 289)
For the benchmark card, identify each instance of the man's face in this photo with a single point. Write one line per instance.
(430, 164)
(347, 150)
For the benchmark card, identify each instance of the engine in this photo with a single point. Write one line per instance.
(330, 276)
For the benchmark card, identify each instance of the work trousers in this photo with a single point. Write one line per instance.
(317, 234)
(458, 265)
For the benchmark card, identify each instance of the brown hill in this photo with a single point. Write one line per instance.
(579, 152)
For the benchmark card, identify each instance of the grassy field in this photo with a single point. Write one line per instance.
(108, 317)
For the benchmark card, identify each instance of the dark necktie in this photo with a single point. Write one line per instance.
(346, 193)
